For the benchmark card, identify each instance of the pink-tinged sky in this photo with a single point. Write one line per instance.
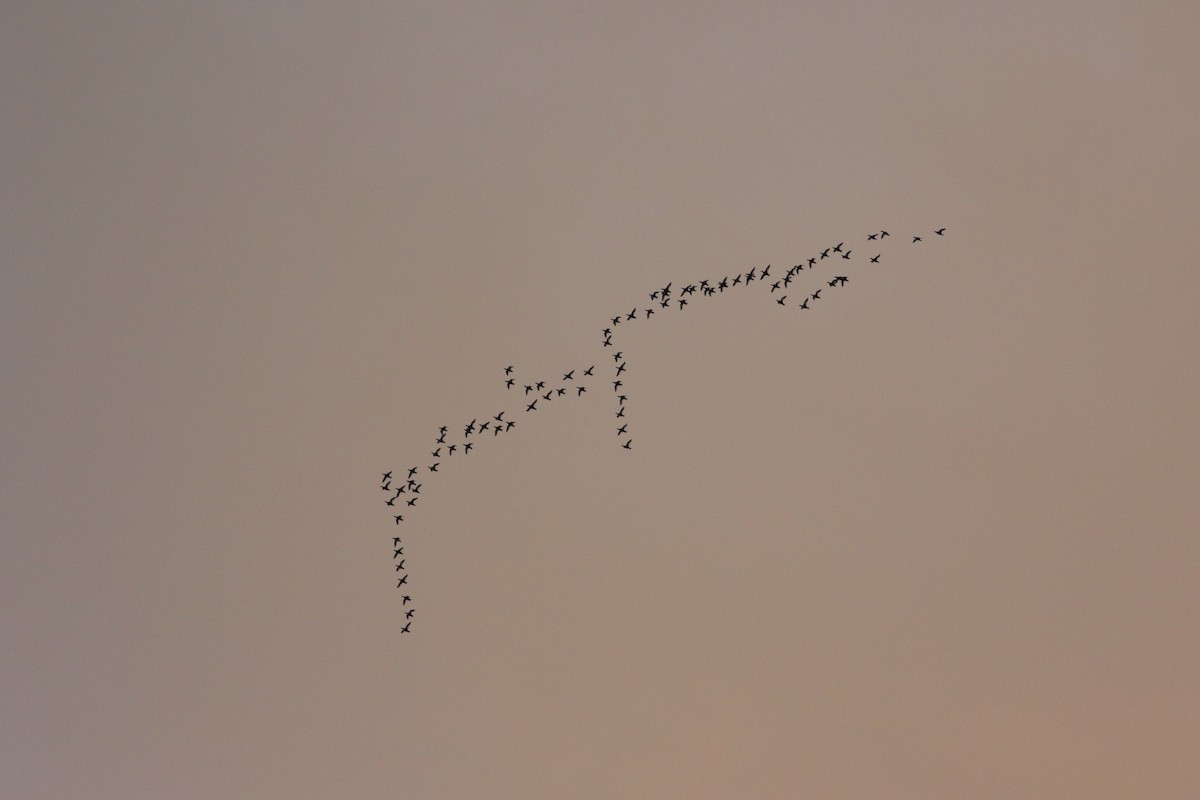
(936, 537)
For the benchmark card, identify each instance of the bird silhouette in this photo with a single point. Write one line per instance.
(405, 628)
(387, 476)
(508, 370)
(940, 231)
(399, 518)
(627, 444)
(402, 581)
(406, 600)
(780, 300)
(621, 430)
(408, 614)
(875, 260)
(588, 371)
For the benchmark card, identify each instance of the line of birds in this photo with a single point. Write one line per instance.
(572, 386)
(708, 288)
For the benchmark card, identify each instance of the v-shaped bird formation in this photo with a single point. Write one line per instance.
(538, 394)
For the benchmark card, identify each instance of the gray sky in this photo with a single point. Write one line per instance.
(934, 539)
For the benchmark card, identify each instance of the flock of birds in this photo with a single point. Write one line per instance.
(406, 491)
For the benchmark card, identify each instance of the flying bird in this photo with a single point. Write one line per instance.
(508, 370)
(916, 239)
(621, 430)
(405, 628)
(570, 376)
(780, 300)
(940, 231)
(627, 444)
(875, 259)
(399, 518)
(406, 600)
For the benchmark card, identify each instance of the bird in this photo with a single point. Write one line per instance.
(917, 239)
(540, 385)
(682, 303)
(395, 540)
(665, 303)
(412, 471)
(509, 383)
(588, 371)
(561, 391)
(883, 234)
(617, 385)
(403, 580)
(398, 566)
(617, 355)
(412, 501)
(399, 518)
(621, 430)
(766, 271)
(415, 488)
(775, 286)
(616, 320)
(654, 295)
(620, 367)
(528, 389)
(441, 439)
(780, 300)
(405, 628)
(531, 407)
(622, 399)
(649, 311)
(467, 449)
(498, 416)
(402, 560)
(873, 236)
(838, 248)
(387, 486)
(432, 468)
(570, 376)
(397, 553)
(509, 425)
(496, 430)
(408, 614)
(833, 282)
(816, 295)
(608, 342)
(812, 262)
(841, 279)
(627, 443)
(437, 453)
(391, 502)
(631, 314)
(580, 390)
(387, 476)
(443, 429)
(621, 413)
(825, 253)
(805, 303)
(508, 370)
(847, 254)
(548, 395)
(406, 600)
(940, 231)
(875, 260)
(607, 331)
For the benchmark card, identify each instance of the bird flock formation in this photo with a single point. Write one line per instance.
(575, 381)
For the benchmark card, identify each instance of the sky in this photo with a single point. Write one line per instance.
(934, 537)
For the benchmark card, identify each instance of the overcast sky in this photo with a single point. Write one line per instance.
(933, 537)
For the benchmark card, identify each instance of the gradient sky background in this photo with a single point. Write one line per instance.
(937, 539)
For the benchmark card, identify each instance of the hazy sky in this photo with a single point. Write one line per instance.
(935, 539)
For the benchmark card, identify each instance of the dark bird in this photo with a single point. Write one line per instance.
(412, 471)
(627, 443)
(804, 304)
(875, 260)
(441, 439)
(403, 580)
(631, 314)
(847, 254)
(540, 385)
(496, 431)
(402, 560)
(432, 468)
(617, 385)
(621, 430)
(607, 331)
(405, 628)
(561, 391)
(395, 541)
(649, 311)
(816, 295)
(531, 407)
(940, 231)
(825, 253)
(608, 342)
(787, 281)
(667, 289)
(398, 566)
(413, 501)
(588, 371)
(508, 370)
(616, 320)
(766, 272)
(682, 303)
(665, 304)
(443, 429)
(406, 600)
(873, 236)
(387, 476)
(775, 286)
(620, 367)
(621, 413)
(509, 383)
(399, 518)
(841, 279)
(780, 300)
(654, 295)
(838, 248)
(508, 426)
(737, 279)
(408, 614)
(812, 262)
(622, 399)
(570, 376)
(397, 553)
(580, 390)
(467, 449)
(391, 502)
(498, 416)
(548, 395)
(437, 453)
(883, 234)
(387, 486)
(416, 488)
(917, 239)
(750, 275)
(618, 355)
(528, 389)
